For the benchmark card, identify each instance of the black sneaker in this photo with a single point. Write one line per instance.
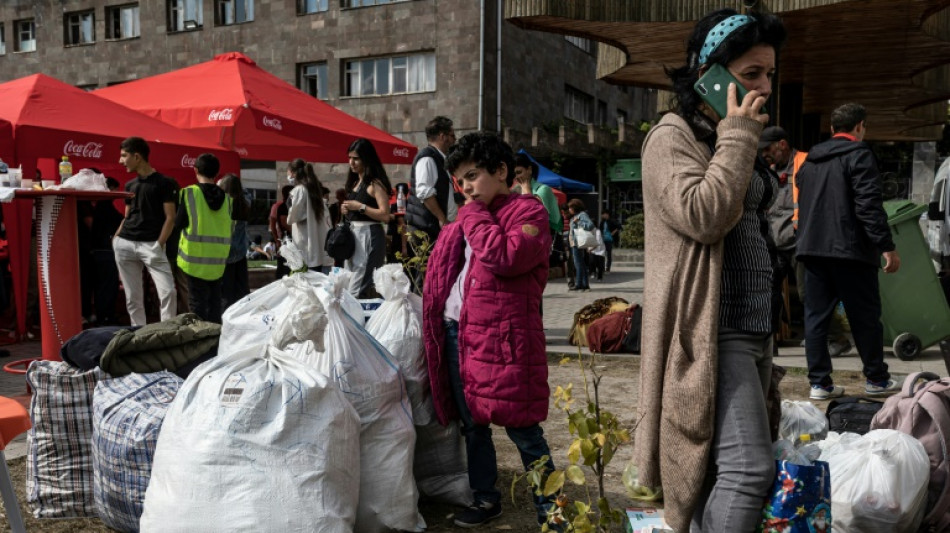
(478, 514)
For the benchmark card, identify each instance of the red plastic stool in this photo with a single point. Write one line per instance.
(20, 367)
(13, 420)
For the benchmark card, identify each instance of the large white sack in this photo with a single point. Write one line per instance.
(255, 441)
(397, 325)
(371, 380)
(280, 313)
(878, 482)
(441, 467)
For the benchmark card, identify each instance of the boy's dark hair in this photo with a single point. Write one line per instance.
(285, 191)
(207, 165)
(485, 150)
(522, 160)
(765, 28)
(112, 183)
(136, 145)
(437, 126)
(847, 117)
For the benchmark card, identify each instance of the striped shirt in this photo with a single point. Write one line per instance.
(746, 292)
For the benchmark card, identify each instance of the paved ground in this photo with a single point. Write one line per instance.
(625, 281)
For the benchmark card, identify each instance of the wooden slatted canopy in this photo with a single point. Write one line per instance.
(893, 56)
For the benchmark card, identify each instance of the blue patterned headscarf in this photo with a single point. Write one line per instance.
(719, 33)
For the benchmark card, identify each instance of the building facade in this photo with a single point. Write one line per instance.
(392, 63)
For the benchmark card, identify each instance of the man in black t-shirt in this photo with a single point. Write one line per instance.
(140, 240)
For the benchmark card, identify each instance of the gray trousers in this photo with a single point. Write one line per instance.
(370, 254)
(741, 468)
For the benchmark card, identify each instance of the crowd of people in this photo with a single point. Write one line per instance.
(731, 211)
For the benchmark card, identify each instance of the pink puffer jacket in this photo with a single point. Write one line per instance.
(501, 338)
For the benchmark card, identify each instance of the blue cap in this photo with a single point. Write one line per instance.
(719, 33)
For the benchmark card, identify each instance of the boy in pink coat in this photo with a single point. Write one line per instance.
(482, 324)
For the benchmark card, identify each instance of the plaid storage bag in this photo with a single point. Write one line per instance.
(127, 416)
(59, 455)
(800, 499)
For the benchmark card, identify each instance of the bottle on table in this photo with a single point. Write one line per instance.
(65, 169)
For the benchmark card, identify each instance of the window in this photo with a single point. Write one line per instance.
(229, 12)
(312, 79)
(3, 40)
(601, 113)
(184, 15)
(390, 75)
(364, 3)
(621, 117)
(122, 22)
(88, 87)
(578, 105)
(580, 42)
(79, 28)
(305, 7)
(25, 35)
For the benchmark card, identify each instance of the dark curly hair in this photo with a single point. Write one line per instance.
(764, 29)
(485, 150)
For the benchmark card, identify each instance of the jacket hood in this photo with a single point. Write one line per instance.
(834, 147)
(214, 195)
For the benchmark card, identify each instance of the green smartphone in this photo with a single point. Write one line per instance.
(713, 88)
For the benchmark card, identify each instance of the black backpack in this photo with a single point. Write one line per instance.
(852, 414)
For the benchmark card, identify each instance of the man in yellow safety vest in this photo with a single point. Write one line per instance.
(204, 218)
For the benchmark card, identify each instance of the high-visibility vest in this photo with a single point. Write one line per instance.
(205, 244)
(796, 164)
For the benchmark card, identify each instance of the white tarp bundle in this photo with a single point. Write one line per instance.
(372, 382)
(255, 441)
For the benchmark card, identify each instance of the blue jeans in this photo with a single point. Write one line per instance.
(741, 468)
(482, 465)
(580, 268)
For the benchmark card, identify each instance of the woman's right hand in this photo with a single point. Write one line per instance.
(750, 106)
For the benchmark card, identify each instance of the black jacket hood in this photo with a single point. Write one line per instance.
(214, 195)
(834, 147)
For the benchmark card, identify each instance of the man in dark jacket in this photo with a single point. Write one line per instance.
(842, 234)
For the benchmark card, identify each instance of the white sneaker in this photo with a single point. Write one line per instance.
(880, 389)
(826, 393)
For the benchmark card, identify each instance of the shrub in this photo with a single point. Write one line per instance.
(631, 236)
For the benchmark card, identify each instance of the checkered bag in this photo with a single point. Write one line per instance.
(127, 415)
(59, 455)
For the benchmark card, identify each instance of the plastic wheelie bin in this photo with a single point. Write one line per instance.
(914, 310)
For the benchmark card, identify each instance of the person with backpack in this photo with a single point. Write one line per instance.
(610, 231)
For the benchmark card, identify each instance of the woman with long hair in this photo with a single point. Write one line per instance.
(308, 216)
(367, 207)
(234, 283)
(706, 363)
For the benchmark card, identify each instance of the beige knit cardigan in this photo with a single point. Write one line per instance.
(691, 201)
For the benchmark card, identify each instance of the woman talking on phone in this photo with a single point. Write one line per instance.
(703, 433)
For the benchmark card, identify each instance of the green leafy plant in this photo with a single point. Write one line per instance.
(631, 235)
(597, 434)
(416, 262)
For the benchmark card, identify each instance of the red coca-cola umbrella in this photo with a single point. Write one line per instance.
(236, 103)
(50, 119)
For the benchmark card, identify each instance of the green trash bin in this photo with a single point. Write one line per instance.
(914, 311)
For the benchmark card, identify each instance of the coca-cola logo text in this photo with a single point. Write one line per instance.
(187, 161)
(401, 152)
(272, 123)
(89, 150)
(224, 114)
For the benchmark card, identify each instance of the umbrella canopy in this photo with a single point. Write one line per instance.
(50, 119)
(553, 179)
(234, 102)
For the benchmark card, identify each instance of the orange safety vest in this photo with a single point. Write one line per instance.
(796, 164)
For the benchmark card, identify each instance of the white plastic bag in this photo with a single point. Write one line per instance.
(85, 180)
(255, 441)
(397, 325)
(281, 313)
(802, 418)
(371, 380)
(879, 482)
